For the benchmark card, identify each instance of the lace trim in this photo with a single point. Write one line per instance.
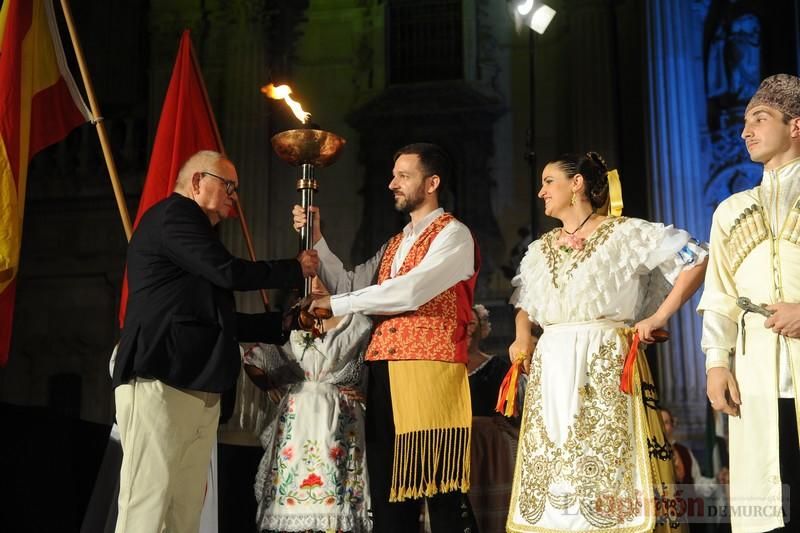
(619, 257)
(315, 522)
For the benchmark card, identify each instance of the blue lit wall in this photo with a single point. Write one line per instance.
(705, 59)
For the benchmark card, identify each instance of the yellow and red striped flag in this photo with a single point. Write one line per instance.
(39, 105)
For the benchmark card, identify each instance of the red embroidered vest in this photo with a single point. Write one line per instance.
(437, 330)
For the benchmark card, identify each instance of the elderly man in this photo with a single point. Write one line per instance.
(755, 253)
(179, 346)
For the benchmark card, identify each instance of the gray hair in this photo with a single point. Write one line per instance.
(199, 162)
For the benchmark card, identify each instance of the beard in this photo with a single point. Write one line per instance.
(408, 203)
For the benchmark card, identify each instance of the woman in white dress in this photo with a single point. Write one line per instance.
(591, 457)
(313, 474)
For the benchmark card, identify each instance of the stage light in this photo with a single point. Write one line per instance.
(536, 18)
(523, 8)
(541, 18)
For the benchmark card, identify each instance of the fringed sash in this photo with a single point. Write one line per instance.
(433, 425)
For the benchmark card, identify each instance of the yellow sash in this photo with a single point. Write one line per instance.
(433, 423)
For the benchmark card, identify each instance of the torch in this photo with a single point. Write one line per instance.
(309, 149)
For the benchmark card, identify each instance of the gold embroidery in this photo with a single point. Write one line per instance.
(597, 238)
(552, 254)
(557, 258)
(597, 457)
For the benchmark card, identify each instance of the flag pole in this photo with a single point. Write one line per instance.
(242, 221)
(97, 118)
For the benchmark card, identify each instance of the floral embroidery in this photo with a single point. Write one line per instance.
(336, 453)
(596, 459)
(311, 481)
(598, 237)
(567, 243)
(558, 251)
(313, 474)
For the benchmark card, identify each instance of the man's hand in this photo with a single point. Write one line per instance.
(299, 220)
(323, 302)
(785, 319)
(309, 263)
(723, 391)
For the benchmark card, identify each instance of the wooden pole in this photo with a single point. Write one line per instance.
(242, 220)
(119, 194)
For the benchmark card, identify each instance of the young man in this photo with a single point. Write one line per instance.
(419, 290)
(179, 347)
(755, 253)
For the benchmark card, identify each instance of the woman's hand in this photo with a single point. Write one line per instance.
(524, 347)
(646, 327)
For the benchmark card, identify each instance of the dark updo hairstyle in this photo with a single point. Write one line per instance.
(594, 170)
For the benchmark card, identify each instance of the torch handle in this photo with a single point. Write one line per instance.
(306, 232)
(306, 187)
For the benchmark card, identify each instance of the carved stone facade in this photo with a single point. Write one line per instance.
(741, 47)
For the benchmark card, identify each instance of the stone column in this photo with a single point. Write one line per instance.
(677, 168)
(235, 62)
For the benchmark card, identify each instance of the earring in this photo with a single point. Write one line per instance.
(573, 199)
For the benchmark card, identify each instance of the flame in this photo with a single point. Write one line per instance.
(282, 92)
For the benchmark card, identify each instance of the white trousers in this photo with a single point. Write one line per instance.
(167, 435)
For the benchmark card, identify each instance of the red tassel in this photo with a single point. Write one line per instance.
(626, 379)
(506, 397)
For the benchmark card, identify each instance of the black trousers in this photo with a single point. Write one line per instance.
(790, 464)
(449, 512)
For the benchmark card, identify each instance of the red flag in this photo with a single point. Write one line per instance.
(186, 126)
(39, 105)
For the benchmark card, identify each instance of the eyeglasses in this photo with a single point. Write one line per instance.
(230, 186)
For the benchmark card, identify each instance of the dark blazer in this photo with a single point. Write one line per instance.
(181, 325)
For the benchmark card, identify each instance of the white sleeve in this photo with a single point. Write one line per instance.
(718, 340)
(676, 252)
(450, 259)
(720, 290)
(339, 280)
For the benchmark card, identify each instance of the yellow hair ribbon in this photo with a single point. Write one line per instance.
(614, 194)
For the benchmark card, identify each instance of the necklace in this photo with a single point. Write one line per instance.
(585, 220)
